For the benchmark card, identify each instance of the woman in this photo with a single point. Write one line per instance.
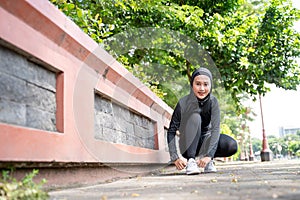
(197, 118)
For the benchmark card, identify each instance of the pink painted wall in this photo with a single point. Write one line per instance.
(37, 29)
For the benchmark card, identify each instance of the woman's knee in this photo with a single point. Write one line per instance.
(194, 118)
(228, 144)
(233, 146)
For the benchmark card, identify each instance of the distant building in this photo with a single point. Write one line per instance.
(286, 131)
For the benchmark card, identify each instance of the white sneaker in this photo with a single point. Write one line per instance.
(210, 167)
(192, 167)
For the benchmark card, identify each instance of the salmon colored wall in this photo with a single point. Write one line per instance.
(40, 31)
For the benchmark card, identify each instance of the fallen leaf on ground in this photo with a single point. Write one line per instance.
(135, 195)
(213, 180)
(234, 180)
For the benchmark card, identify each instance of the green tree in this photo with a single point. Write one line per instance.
(273, 143)
(289, 144)
(292, 142)
(256, 144)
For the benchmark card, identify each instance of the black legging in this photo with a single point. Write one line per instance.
(227, 146)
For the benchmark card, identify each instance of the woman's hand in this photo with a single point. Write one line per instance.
(203, 161)
(180, 164)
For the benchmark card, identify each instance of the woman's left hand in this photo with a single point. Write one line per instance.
(203, 161)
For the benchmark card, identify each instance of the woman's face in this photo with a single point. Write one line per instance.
(201, 86)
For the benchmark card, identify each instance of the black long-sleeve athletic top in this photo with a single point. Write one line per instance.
(209, 110)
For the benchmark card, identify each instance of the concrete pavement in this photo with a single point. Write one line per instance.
(234, 180)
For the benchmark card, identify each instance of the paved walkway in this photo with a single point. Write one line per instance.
(234, 180)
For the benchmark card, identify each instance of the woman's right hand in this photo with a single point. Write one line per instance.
(180, 164)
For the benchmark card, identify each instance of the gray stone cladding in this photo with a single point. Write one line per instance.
(117, 124)
(27, 92)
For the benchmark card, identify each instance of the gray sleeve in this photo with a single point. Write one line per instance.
(215, 128)
(174, 126)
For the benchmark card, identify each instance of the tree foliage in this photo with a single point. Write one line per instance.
(288, 145)
(251, 44)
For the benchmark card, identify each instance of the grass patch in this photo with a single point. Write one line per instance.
(12, 189)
